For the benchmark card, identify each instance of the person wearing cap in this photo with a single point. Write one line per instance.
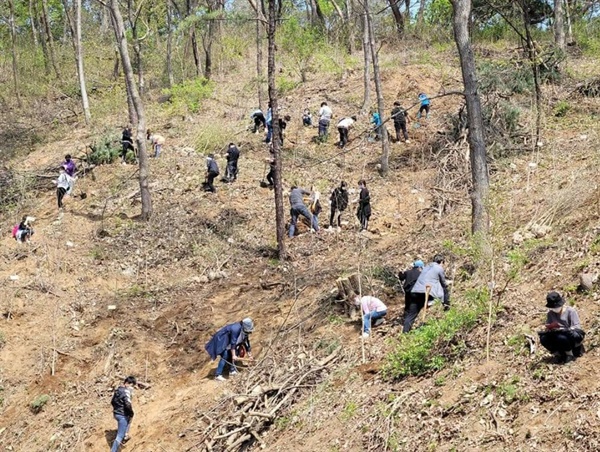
(408, 279)
(212, 171)
(339, 203)
(344, 126)
(373, 310)
(233, 155)
(123, 411)
(432, 281)
(563, 336)
(227, 343)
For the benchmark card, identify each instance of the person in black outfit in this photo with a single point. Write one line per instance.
(233, 154)
(123, 411)
(212, 171)
(364, 205)
(408, 279)
(282, 126)
(400, 117)
(339, 203)
(127, 143)
(259, 120)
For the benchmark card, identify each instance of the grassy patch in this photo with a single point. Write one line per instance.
(438, 342)
(39, 402)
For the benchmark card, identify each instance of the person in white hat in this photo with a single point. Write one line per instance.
(230, 342)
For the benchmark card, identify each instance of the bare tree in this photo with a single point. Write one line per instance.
(398, 17)
(75, 29)
(385, 144)
(367, 66)
(169, 65)
(559, 25)
(132, 91)
(13, 41)
(49, 37)
(479, 171)
(279, 218)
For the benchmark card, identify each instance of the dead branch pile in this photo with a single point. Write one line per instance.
(268, 390)
(589, 88)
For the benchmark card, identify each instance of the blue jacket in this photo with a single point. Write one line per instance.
(227, 338)
(432, 275)
(376, 119)
(424, 99)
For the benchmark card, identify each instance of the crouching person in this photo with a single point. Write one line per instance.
(563, 336)
(228, 343)
(373, 310)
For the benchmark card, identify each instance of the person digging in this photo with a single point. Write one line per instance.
(231, 343)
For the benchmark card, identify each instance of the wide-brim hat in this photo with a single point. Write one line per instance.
(554, 300)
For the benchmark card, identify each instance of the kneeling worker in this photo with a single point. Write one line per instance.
(563, 336)
(373, 309)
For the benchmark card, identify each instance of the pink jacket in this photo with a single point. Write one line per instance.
(370, 304)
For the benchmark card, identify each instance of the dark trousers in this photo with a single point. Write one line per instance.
(401, 127)
(231, 171)
(271, 177)
(323, 127)
(562, 341)
(343, 136)
(417, 302)
(60, 194)
(363, 218)
(210, 179)
(259, 122)
(127, 145)
(334, 211)
(424, 108)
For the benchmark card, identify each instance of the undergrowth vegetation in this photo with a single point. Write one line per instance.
(440, 340)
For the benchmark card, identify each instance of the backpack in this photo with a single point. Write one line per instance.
(15, 229)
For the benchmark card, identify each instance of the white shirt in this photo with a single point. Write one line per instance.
(346, 123)
(370, 304)
(325, 112)
(64, 181)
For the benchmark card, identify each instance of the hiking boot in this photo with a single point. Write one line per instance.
(579, 351)
(365, 335)
(220, 378)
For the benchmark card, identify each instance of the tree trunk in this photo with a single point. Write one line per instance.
(48, 32)
(279, 218)
(191, 6)
(119, 29)
(350, 27)
(137, 46)
(43, 39)
(34, 31)
(169, 44)
(398, 17)
(534, 61)
(259, 63)
(367, 66)
(479, 170)
(421, 14)
(13, 42)
(559, 25)
(570, 40)
(385, 144)
(74, 25)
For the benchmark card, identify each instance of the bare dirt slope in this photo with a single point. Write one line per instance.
(206, 260)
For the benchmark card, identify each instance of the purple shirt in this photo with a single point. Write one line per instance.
(70, 167)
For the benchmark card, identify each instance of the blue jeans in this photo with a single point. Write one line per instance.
(123, 423)
(157, 149)
(269, 132)
(315, 222)
(226, 360)
(295, 212)
(371, 316)
(323, 127)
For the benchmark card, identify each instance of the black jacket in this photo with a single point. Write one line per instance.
(364, 202)
(339, 199)
(233, 154)
(121, 402)
(399, 115)
(409, 278)
(212, 167)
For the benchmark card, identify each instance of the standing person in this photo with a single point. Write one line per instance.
(297, 208)
(123, 411)
(272, 169)
(233, 154)
(408, 279)
(259, 120)
(69, 166)
(64, 183)
(315, 209)
(373, 309)
(424, 105)
(376, 121)
(400, 117)
(228, 343)
(157, 142)
(212, 171)
(306, 118)
(563, 336)
(364, 205)
(433, 280)
(339, 203)
(325, 115)
(282, 126)
(269, 122)
(343, 127)
(126, 143)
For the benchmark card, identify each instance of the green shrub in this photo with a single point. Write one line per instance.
(561, 108)
(285, 85)
(187, 97)
(105, 150)
(430, 347)
(39, 402)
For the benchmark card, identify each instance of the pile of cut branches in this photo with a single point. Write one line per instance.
(271, 387)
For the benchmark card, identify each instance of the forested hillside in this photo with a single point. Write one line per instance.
(472, 137)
